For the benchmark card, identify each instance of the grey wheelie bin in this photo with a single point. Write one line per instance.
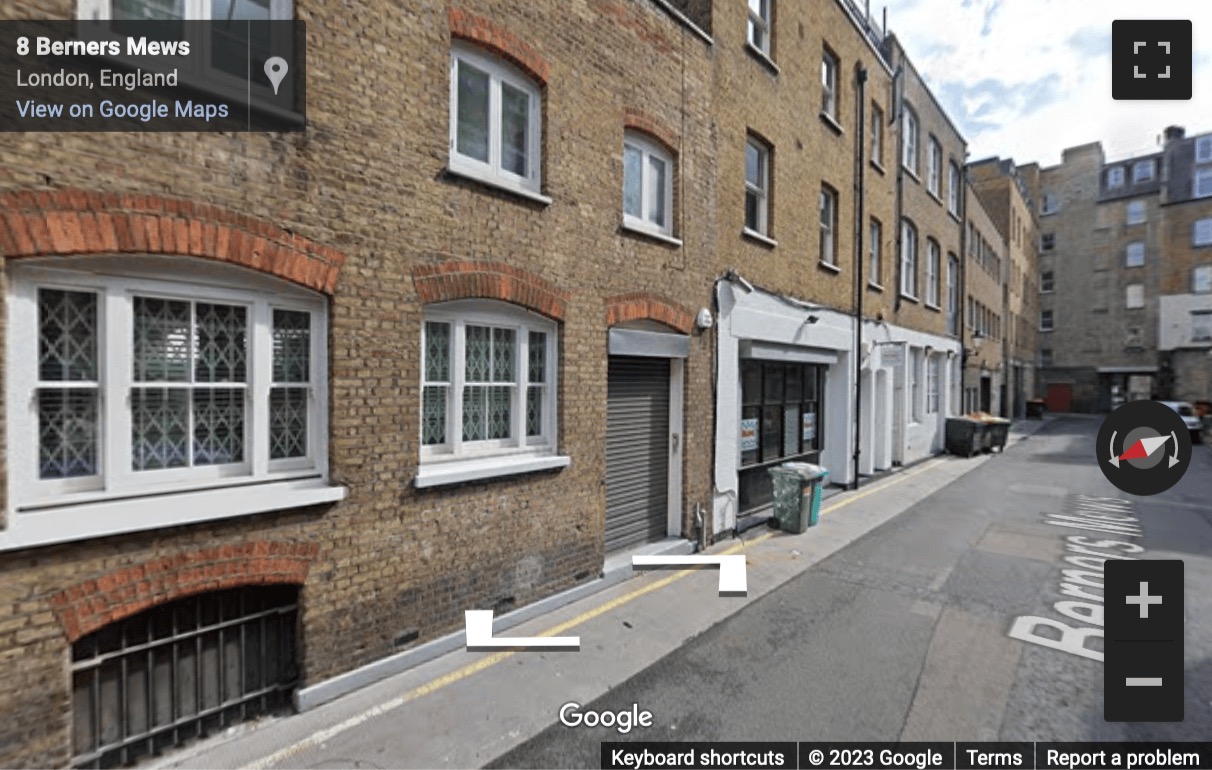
(797, 495)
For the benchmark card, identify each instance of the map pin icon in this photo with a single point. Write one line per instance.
(275, 70)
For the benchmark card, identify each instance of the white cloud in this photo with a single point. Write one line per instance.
(1057, 47)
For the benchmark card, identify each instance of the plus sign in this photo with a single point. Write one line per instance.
(1144, 600)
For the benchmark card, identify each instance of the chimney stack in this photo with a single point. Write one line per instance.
(1175, 133)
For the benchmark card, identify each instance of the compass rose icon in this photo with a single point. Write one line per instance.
(1143, 448)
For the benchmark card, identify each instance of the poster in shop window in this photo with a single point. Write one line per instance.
(749, 435)
(809, 425)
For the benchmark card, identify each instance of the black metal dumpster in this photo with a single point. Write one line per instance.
(1036, 408)
(998, 431)
(965, 436)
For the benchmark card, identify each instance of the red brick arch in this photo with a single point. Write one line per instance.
(487, 34)
(93, 604)
(638, 120)
(489, 280)
(644, 305)
(66, 222)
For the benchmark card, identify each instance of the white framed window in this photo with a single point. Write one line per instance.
(953, 188)
(1202, 187)
(828, 225)
(1135, 254)
(953, 294)
(1045, 281)
(1201, 232)
(1134, 295)
(932, 377)
(757, 187)
(874, 246)
(1135, 212)
(1203, 149)
(1201, 279)
(495, 122)
(933, 270)
(829, 70)
(908, 259)
(158, 377)
(1142, 171)
(1115, 177)
(171, 10)
(1045, 320)
(647, 185)
(909, 136)
(934, 167)
(877, 134)
(1201, 326)
(759, 25)
(1050, 204)
(488, 390)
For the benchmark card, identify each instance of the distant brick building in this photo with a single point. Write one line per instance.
(984, 361)
(1122, 260)
(1006, 195)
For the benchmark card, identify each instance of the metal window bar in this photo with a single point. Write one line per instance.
(237, 700)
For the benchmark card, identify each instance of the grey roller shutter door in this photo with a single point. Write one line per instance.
(637, 451)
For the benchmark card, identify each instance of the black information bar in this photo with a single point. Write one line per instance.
(908, 756)
(123, 75)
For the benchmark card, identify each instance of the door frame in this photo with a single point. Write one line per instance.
(676, 444)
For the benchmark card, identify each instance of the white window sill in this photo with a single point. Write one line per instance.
(754, 235)
(912, 173)
(831, 121)
(910, 297)
(875, 164)
(458, 471)
(831, 267)
(933, 306)
(66, 523)
(762, 56)
(874, 286)
(647, 232)
(467, 171)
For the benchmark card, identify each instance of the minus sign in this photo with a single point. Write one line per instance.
(1143, 681)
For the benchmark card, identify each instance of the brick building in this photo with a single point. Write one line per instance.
(1007, 197)
(1184, 314)
(322, 392)
(1122, 273)
(791, 286)
(983, 359)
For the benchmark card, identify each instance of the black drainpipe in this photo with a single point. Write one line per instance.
(898, 98)
(859, 290)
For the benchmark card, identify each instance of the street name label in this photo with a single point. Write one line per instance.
(150, 76)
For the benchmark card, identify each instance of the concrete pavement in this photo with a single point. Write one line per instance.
(463, 709)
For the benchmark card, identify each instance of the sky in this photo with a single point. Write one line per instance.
(1024, 79)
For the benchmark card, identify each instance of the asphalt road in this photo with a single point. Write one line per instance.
(903, 635)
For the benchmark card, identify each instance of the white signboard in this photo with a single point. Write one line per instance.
(892, 355)
(809, 425)
(749, 435)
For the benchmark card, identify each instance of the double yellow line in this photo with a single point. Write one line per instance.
(489, 661)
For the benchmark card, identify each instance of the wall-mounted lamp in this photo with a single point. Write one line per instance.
(704, 319)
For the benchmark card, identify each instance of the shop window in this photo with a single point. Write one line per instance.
(781, 419)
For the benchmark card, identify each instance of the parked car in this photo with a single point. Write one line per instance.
(1190, 418)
